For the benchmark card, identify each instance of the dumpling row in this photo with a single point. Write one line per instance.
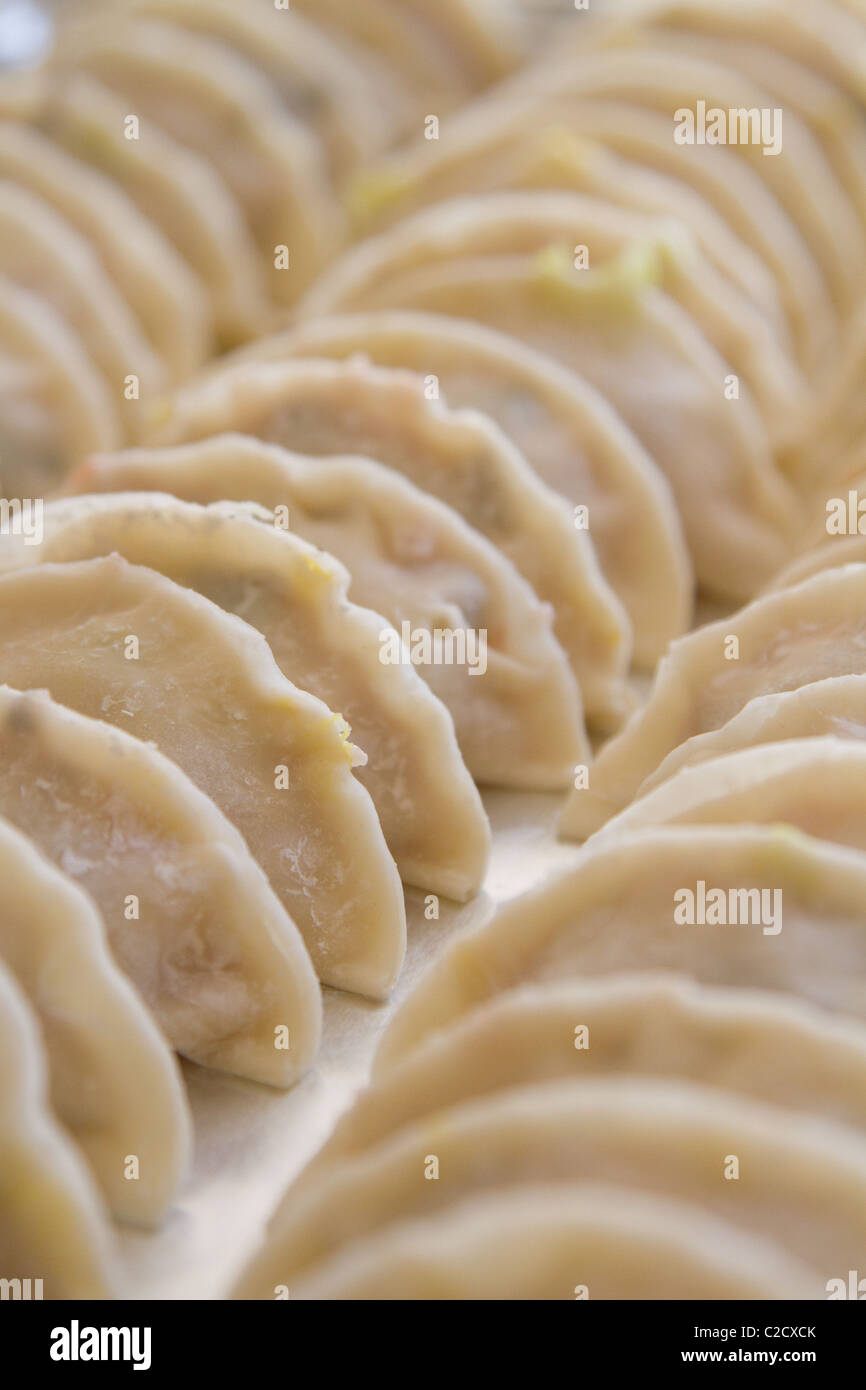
(645, 1078)
(663, 341)
(172, 177)
(187, 849)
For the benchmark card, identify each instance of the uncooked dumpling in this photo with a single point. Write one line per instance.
(482, 233)
(53, 1226)
(630, 340)
(798, 174)
(163, 293)
(801, 1185)
(841, 550)
(616, 910)
(207, 97)
(809, 68)
(772, 1048)
(429, 809)
(444, 53)
(576, 1242)
(338, 408)
(414, 560)
(189, 914)
(821, 36)
(567, 432)
(815, 784)
(42, 252)
(779, 642)
(120, 642)
(55, 406)
(833, 706)
(496, 145)
(174, 188)
(317, 80)
(714, 175)
(114, 1082)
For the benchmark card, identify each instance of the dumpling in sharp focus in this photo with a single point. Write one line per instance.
(114, 1082)
(235, 555)
(639, 902)
(817, 785)
(486, 232)
(120, 642)
(498, 668)
(779, 642)
(574, 1241)
(835, 706)
(55, 407)
(770, 1047)
(163, 293)
(801, 1184)
(323, 408)
(212, 100)
(613, 324)
(189, 914)
(175, 188)
(566, 431)
(53, 1227)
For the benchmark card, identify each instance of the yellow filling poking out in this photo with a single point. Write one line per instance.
(619, 282)
(159, 413)
(564, 153)
(370, 194)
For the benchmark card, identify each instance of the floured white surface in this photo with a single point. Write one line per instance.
(250, 1141)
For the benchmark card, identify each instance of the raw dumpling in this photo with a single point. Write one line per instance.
(317, 80)
(805, 67)
(114, 1082)
(42, 252)
(614, 325)
(493, 147)
(174, 188)
(821, 36)
(322, 408)
(211, 100)
(189, 914)
(800, 1185)
(615, 910)
(121, 643)
(815, 784)
(429, 809)
(591, 234)
(841, 550)
(797, 173)
(582, 1241)
(714, 175)
(771, 1048)
(165, 296)
(445, 53)
(53, 1229)
(54, 405)
(833, 706)
(779, 642)
(418, 563)
(566, 431)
